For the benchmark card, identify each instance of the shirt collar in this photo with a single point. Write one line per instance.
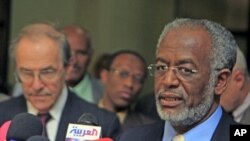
(208, 126)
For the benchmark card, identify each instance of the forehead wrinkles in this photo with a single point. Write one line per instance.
(186, 42)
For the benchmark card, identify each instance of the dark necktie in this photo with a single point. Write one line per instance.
(45, 117)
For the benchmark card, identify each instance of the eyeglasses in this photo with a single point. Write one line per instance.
(123, 74)
(181, 72)
(46, 75)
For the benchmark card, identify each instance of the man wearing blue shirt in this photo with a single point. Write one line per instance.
(194, 60)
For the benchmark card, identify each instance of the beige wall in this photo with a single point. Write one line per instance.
(113, 24)
(126, 24)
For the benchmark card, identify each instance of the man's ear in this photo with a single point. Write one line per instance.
(222, 81)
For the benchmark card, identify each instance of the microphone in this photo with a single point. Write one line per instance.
(37, 138)
(104, 139)
(86, 129)
(4, 129)
(88, 119)
(23, 126)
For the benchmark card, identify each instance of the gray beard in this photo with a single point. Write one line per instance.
(190, 115)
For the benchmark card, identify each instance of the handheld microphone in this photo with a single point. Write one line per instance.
(88, 119)
(23, 126)
(104, 139)
(37, 138)
(87, 128)
(4, 129)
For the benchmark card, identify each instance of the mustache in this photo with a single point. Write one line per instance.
(39, 94)
(163, 92)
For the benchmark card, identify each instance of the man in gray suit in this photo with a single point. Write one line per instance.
(78, 79)
(236, 98)
(41, 56)
(194, 60)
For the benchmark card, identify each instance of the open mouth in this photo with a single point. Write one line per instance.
(170, 100)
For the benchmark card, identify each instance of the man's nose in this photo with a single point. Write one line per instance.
(170, 78)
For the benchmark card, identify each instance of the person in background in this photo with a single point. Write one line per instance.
(194, 60)
(236, 98)
(100, 64)
(41, 55)
(78, 78)
(123, 79)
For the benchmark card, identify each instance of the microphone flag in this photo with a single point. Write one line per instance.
(79, 132)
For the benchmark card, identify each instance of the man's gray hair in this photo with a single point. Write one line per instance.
(38, 30)
(224, 46)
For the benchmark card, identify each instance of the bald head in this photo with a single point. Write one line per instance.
(81, 53)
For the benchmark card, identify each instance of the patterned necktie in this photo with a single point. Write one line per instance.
(178, 138)
(45, 117)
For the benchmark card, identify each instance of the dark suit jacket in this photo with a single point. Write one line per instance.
(134, 119)
(154, 132)
(73, 109)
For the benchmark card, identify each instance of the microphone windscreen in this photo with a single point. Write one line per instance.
(104, 139)
(88, 119)
(23, 126)
(4, 129)
(37, 138)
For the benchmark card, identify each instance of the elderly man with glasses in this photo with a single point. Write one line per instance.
(41, 56)
(123, 78)
(194, 60)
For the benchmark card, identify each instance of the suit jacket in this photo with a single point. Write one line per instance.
(246, 116)
(134, 119)
(154, 132)
(73, 109)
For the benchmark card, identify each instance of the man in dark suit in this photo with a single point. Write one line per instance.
(123, 77)
(41, 55)
(194, 60)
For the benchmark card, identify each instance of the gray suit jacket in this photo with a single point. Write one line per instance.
(154, 132)
(246, 116)
(73, 109)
